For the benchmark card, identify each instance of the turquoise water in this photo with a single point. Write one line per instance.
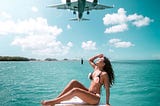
(27, 83)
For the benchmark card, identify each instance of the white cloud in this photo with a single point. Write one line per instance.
(123, 44)
(115, 18)
(139, 20)
(34, 9)
(112, 41)
(42, 45)
(30, 26)
(89, 45)
(69, 44)
(68, 26)
(119, 21)
(116, 28)
(120, 44)
(34, 42)
(134, 17)
(142, 22)
(5, 15)
(35, 35)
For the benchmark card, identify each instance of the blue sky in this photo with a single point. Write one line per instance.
(130, 30)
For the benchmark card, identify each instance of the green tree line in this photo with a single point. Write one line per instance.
(15, 58)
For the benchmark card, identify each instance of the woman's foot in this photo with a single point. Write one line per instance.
(47, 103)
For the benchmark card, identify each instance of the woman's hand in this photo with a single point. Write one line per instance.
(100, 55)
(108, 105)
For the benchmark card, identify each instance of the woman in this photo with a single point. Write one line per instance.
(102, 75)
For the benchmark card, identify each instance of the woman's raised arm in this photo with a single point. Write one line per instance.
(91, 59)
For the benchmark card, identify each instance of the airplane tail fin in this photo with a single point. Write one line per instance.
(76, 19)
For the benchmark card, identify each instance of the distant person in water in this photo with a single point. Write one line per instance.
(102, 75)
(81, 60)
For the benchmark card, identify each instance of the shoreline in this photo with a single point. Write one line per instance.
(19, 58)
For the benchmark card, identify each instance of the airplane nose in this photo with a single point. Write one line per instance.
(80, 15)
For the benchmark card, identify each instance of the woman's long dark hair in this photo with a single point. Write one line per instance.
(108, 68)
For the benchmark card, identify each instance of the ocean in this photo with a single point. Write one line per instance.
(137, 82)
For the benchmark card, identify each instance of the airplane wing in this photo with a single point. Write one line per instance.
(90, 6)
(73, 6)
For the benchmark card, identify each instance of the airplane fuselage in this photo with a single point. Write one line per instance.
(81, 7)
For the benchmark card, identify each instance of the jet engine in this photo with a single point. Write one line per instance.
(95, 2)
(68, 2)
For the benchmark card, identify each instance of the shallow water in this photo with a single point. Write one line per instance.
(27, 83)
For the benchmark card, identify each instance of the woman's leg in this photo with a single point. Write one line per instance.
(86, 96)
(71, 85)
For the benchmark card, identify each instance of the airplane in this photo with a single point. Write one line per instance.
(80, 6)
